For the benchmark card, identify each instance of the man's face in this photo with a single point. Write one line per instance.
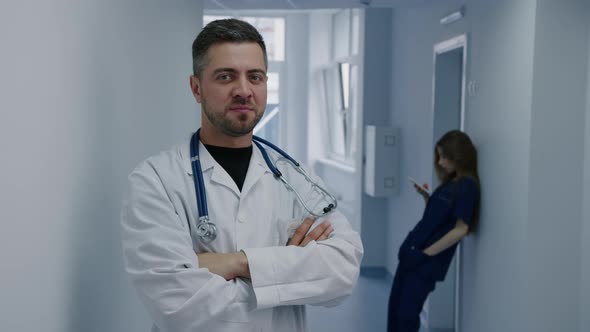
(232, 88)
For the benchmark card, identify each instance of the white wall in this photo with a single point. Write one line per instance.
(366, 214)
(342, 181)
(320, 28)
(297, 78)
(500, 49)
(415, 31)
(585, 233)
(556, 165)
(493, 276)
(521, 270)
(376, 111)
(88, 90)
(346, 183)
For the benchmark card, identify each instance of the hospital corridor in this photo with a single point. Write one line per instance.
(441, 143)
(365, 310)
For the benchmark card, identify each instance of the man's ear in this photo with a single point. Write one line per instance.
(196, 88)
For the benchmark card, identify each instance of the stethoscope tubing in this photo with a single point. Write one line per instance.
(274, 147)
(206, 230)
(198, 180)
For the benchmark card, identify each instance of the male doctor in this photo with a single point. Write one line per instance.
(255, 275)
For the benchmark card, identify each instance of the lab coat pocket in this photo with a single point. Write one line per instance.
(237, 312)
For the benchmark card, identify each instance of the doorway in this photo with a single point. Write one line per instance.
(448, 107)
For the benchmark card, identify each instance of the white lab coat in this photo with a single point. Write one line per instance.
(159, 253)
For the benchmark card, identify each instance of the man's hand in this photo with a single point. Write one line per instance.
(321, 232)
(235, 265)
(229, 266)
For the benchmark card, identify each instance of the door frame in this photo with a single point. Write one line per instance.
(460, 41)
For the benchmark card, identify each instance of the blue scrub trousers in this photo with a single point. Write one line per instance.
(408, 294)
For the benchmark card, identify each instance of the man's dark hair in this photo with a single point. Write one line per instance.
(222, 31)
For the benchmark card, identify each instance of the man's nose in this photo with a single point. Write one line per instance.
(242, 88)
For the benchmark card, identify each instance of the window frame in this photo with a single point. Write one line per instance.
(349, 115)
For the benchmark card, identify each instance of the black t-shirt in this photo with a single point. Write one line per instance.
(235, 161)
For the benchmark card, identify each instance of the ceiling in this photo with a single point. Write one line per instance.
(306, 4)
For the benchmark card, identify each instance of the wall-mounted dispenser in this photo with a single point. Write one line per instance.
(381, 161)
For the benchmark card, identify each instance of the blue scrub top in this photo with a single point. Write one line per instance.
(451, 201)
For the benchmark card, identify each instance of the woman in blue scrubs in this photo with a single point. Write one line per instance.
(451, 212)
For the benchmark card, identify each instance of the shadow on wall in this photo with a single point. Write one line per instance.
(100, 292)
(125, 120)
(137, 103)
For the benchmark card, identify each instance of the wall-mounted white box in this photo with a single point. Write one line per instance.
(381, 161)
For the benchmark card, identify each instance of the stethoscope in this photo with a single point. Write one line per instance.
(206, 230)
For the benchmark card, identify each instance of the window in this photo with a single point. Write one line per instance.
(340, 79)
(268, 127)
(272, 30)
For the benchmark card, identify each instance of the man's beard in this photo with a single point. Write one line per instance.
(231, 127)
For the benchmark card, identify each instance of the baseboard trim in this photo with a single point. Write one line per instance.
(376, 272)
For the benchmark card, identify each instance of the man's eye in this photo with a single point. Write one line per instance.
(224, 77)
(257, 78)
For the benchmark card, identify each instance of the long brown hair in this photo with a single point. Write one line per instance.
(457, 147)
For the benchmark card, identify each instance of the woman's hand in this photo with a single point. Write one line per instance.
(411, 257)
(422, 192)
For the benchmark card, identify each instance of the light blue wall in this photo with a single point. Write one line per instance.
(376, 111)
(499, 119)
(320, 29)
(528, 61)
(296, 77)
(415, 31)
(500, 51)
(342, 181)
(88, 90)
(585, 233)
(555, 191)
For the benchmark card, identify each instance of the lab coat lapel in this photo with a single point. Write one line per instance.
(210, 166)
(219, 175)
(256, 170)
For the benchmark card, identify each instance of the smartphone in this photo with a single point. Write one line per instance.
(417, 184)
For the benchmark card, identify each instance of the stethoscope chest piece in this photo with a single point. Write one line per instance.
(206, 230)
